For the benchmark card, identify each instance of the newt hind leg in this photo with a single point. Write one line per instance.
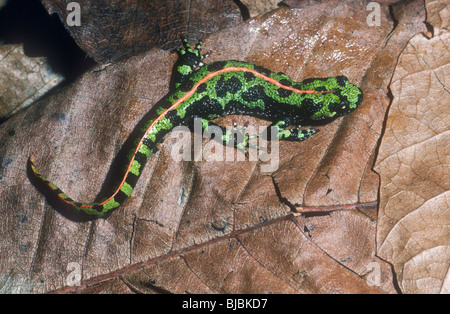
(235, 137)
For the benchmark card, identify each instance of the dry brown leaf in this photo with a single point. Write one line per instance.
(413, 162)
(260, 7)
(113, 30)
(438, 15)
(197, 227)
(22, 79)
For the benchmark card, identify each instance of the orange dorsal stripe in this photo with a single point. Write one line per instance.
(189, 94)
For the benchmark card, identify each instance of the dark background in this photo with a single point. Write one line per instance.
(43, 35)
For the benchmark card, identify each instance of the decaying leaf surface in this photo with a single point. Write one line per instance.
(22, 79)
(307, 227)
(438, 15)
(259, 7)
(414, 158)
(115, 30)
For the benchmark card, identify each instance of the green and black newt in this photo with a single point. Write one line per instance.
(209, 91)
